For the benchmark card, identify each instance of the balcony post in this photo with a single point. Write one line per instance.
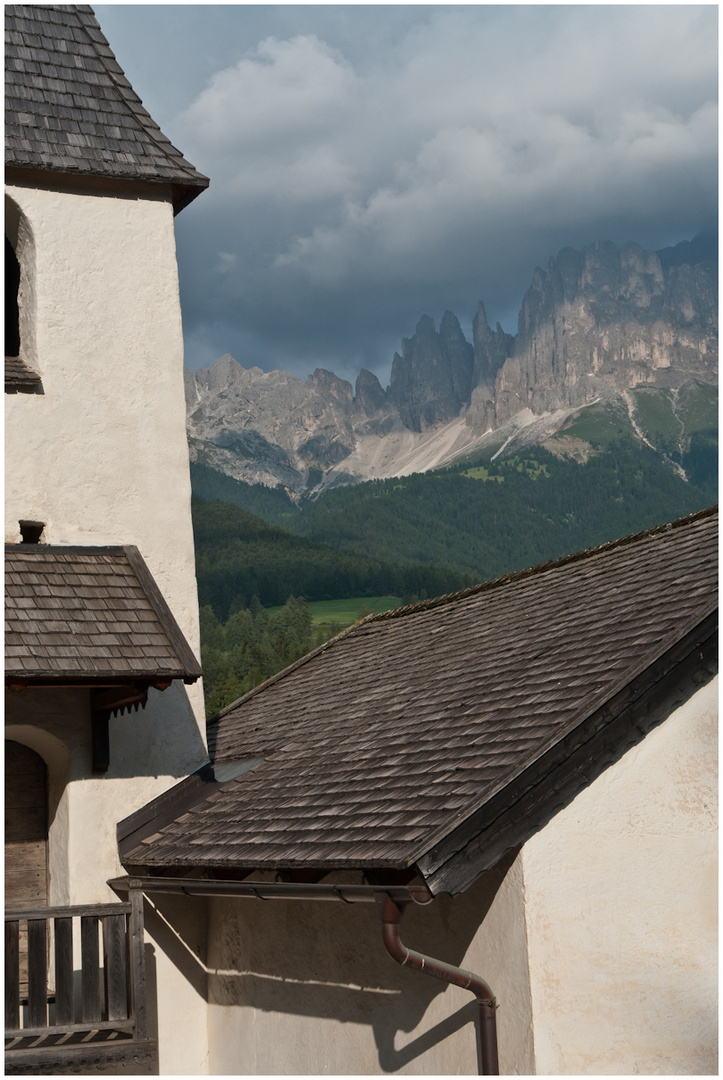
(138, 961)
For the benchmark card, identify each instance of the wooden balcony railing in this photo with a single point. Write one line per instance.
(77, 973)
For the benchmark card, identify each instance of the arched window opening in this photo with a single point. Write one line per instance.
(21, 367)
(12, 310)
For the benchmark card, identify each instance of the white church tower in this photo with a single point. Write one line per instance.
(104, 706)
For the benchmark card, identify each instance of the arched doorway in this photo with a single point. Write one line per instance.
(26, 828)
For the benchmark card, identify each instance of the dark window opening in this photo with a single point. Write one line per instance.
(12, 310)
(31, 531)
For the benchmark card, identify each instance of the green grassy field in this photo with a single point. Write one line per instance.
(346, 612)
(479, 472)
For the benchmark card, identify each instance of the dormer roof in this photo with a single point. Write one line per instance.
(70, 109)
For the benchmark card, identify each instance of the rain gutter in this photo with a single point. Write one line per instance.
(274, 890)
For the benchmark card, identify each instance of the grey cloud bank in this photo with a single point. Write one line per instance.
(372, 164)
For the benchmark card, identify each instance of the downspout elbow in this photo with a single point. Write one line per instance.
(391, 914)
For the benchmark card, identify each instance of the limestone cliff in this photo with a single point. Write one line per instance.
(601, 320)
(593, 325)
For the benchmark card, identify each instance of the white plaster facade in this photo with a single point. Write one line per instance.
(307, 987)
(620, 897)
(101, 458)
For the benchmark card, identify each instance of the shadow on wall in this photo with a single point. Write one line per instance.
(327, 960)
(162, 739)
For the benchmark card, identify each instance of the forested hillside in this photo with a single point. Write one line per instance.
(481, 516)
(271, 504)
(239, 557)
(492, 518)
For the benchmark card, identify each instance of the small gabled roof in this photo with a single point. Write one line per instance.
(88, 615)
(437, 736)
(69, 108)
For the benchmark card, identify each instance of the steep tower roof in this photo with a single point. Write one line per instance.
(69, 108)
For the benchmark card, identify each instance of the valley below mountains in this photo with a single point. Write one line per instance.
(606, 336)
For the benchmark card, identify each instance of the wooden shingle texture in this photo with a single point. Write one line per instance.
(88, 614)
(19, 378)
(380, 744)
(70, 108)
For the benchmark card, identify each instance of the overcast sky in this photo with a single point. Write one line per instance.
(370, 164)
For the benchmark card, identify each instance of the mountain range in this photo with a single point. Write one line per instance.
(620, 334)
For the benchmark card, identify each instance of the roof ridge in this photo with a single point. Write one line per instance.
(539, 568)
(462, 594)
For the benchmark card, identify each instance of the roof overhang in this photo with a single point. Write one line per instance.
(113, 185)
(520, 809)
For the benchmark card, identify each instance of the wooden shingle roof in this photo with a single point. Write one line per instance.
(440, 735)
(88, 614)
(69, 107)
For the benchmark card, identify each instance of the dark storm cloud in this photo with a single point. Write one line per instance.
(371, 164)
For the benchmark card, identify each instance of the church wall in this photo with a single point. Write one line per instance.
(101, 455)
(101, 458)
(306, 987)
(621, 911)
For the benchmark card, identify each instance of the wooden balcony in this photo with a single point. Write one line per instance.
(75, 993)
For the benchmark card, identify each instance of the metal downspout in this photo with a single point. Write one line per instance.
(390, 914)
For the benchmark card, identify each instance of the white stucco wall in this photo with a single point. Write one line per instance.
(101, 457)
(305, 987)
(621, 911)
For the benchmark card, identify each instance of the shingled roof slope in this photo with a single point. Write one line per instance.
(69, 107)
(88, 614)
(401, 729)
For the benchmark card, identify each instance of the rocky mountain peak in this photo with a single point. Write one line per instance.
(432, 380)
(594, 324)
(330, 385)
(491, 349)
(223, 373)
(369, 396)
